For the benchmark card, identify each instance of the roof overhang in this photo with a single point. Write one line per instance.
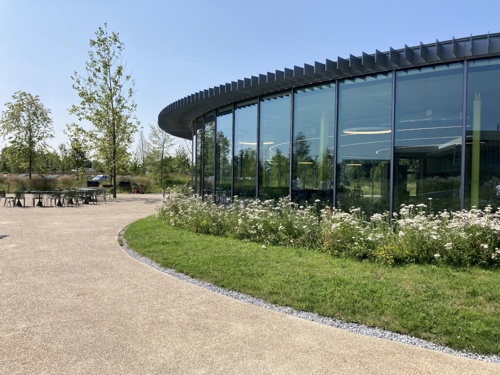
(178, 117)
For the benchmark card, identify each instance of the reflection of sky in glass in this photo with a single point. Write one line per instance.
(275, 123)
(365, 118)
(245, 136)
(429, 108)
(314, 116)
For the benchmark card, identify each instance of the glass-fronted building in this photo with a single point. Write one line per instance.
(376, 131)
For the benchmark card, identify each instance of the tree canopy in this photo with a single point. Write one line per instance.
(106, 94)
(26, 125)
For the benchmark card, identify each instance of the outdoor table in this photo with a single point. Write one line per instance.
(88, 193)
(38, 195)
(58, 195)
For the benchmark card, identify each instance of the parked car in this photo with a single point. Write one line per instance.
(100, 177)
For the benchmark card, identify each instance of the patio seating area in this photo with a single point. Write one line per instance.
(56, 198)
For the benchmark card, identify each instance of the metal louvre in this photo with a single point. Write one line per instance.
(177, 117)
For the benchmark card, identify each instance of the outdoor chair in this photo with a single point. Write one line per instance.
(93, 196)
(17, 199)
(2, 194)
(71, 198)
(100, 193)
(48, 198)
(108, 194)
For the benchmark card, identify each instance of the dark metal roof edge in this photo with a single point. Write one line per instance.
(177, 117)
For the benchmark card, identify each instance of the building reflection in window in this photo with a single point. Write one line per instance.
(313, 144)
(364, 123)
(223, 152)
(428, 136)
(483, 135)
(245, 150)
(274, 146)
(209, 157)
(198, 155)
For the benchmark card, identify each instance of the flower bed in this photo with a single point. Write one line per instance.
(413, 235)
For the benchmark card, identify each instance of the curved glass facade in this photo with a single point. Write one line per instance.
(427, 134)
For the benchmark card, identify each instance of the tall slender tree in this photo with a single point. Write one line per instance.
(106, 94)
(26, 125)
(78, 146)
(160, 142)
(142, 151)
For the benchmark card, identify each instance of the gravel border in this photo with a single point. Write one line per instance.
(353, 327)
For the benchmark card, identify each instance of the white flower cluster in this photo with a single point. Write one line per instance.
(411, 235)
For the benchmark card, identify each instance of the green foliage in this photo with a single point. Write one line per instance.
(144, 181)
(26, 125)
(106, 94)
(40, 183)
(461, 239)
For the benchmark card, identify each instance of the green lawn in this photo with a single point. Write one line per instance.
(458, 308)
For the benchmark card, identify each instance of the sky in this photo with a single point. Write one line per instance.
(174, 48)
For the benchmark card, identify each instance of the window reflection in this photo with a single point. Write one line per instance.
(224, 155)
(483, 135)
(245, 150)
(313, 145)
(274, 147)
(198, 153)
(364, 123)
(429, 136)
(208, 157)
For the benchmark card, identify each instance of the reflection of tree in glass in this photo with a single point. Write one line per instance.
(304, 165)
(208, 154)
(277, 168)
(302, 148)
(223, 161)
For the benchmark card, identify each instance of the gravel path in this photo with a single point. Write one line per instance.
(72, 302)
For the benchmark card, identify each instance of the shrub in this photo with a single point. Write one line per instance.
(41, 183)
(464, 239)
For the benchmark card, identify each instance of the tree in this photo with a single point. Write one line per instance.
(78, 147)
(63, 154)
(142, 151)
(26, 125)
(106, 94)
(160, 142)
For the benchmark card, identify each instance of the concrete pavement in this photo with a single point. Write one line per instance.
(73, 302)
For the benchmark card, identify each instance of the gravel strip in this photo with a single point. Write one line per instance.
(353, 327)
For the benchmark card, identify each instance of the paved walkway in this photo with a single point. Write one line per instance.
(73, 302)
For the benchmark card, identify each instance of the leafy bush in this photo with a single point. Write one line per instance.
(146, 182)
(464, 238)
(41, 183)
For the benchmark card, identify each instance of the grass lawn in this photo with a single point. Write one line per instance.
(458, 308)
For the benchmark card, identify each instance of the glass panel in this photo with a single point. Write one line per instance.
(364, 144)
(208, 157)
(245, 150)
(224, 155)
(274, 143)
(429, 136)
(313, 144)
(193, 163)
(482, 156)
(199, 159)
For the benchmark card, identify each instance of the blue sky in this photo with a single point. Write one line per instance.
(174, 48)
